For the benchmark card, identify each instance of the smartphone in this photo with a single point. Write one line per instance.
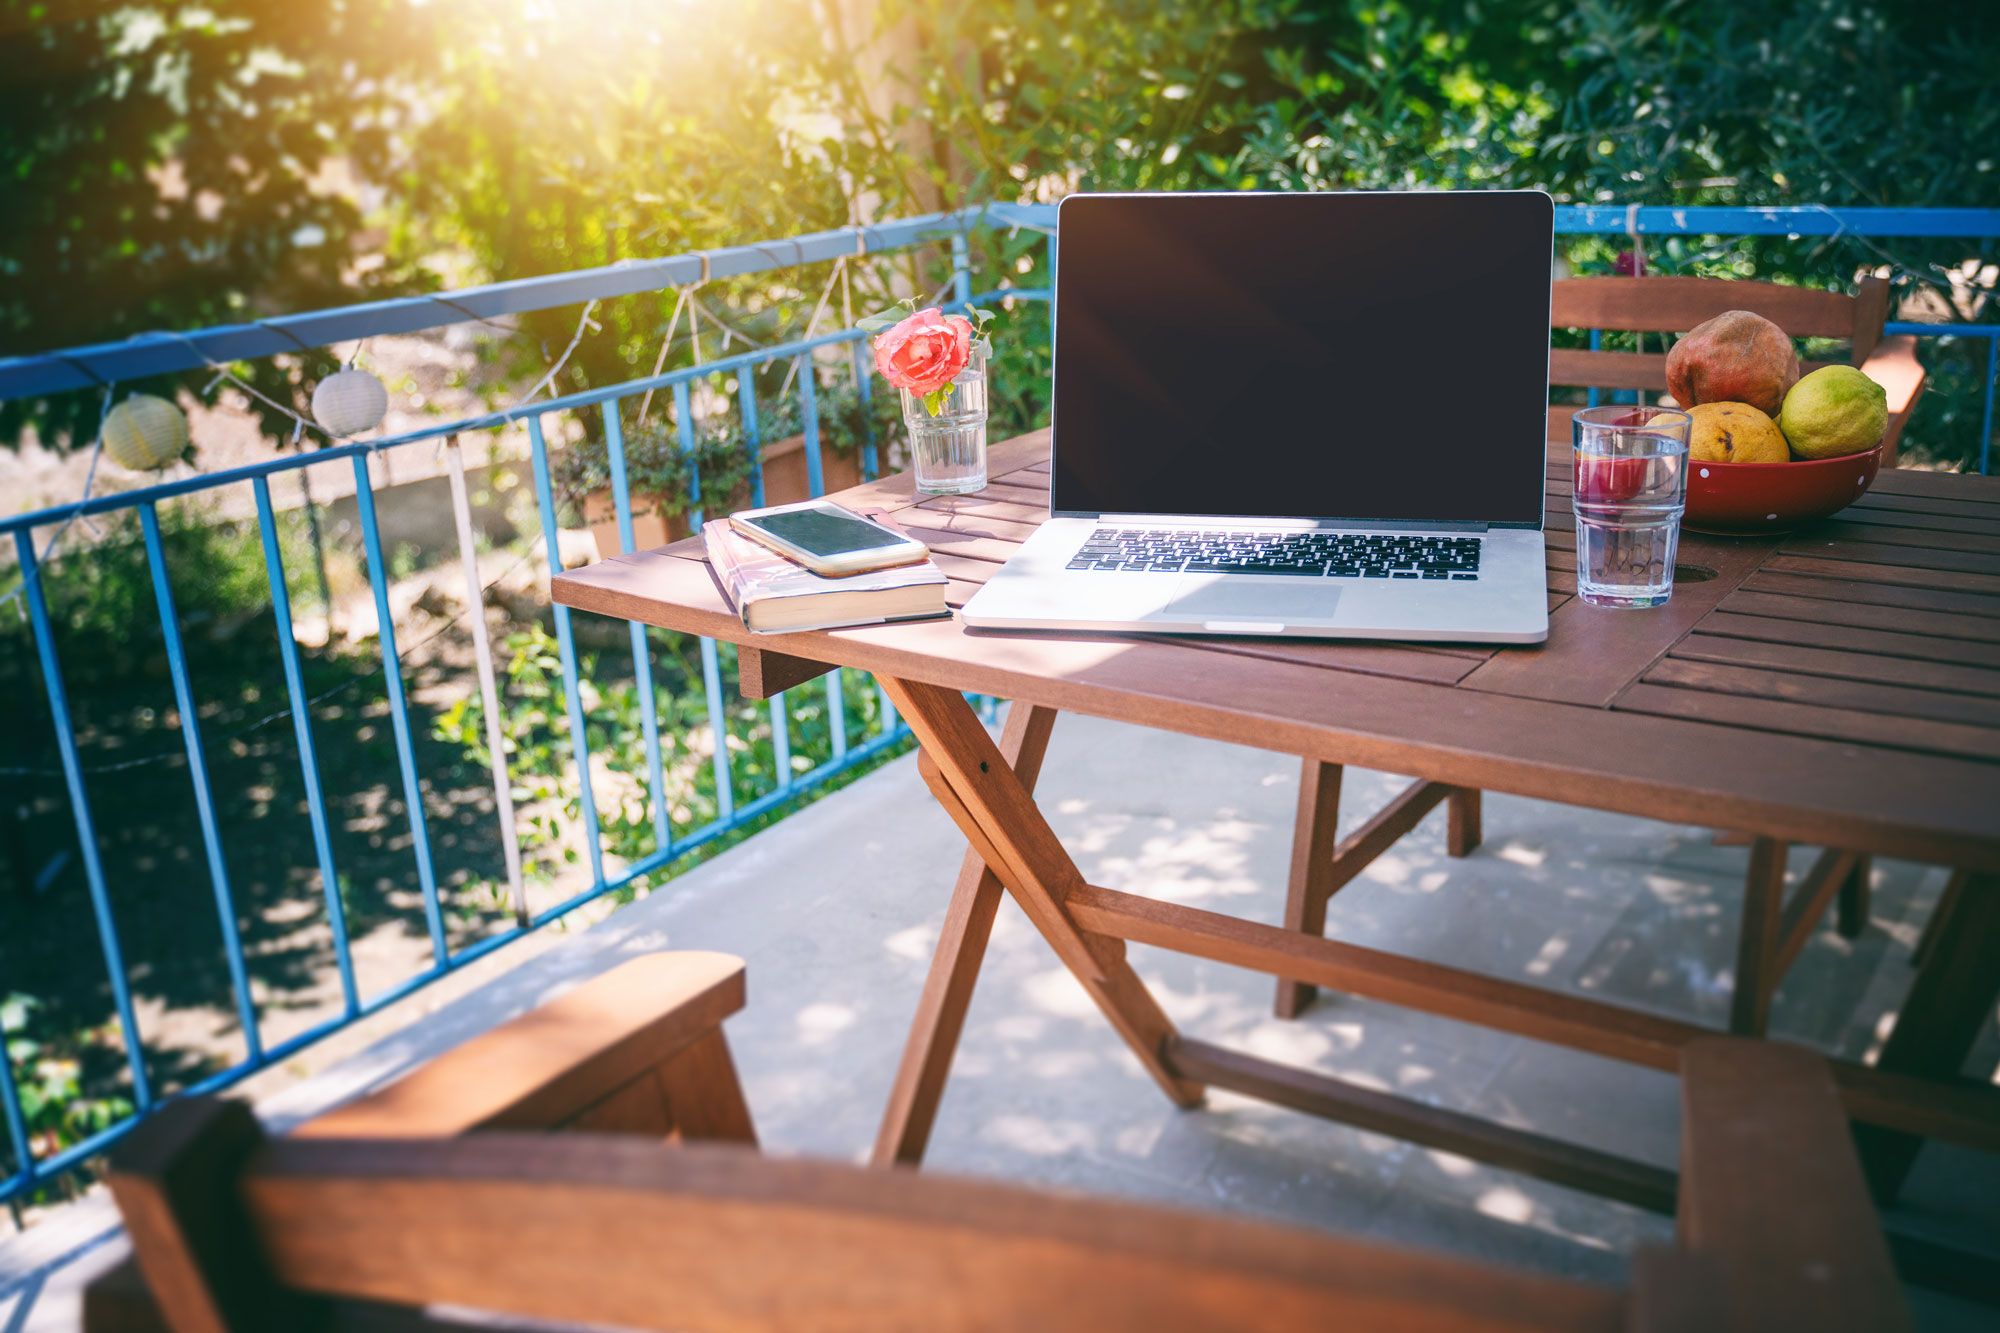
(828, 539)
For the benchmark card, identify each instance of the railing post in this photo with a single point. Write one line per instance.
(864, 389)
(579, 738)
(399, 707)
(17, 1124)
(809, 422)
(1052, 287)
(79, 803)
(961, 272)
(295, 692)
(746, 397)
(642, 658)
(1992, 383)
(204, 793)
(711, 667)
(489, 688)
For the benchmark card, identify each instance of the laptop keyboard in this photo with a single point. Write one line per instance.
(1301, 554)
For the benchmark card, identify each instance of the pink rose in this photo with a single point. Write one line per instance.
(925, 352)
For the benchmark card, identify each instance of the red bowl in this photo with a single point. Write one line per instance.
(1733, 499)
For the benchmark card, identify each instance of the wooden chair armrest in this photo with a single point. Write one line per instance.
(566, 1063)
(1894, 365)
(1771, 1190)
(636, 1050)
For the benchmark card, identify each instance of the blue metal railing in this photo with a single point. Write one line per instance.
(93, 367)
(87, 366)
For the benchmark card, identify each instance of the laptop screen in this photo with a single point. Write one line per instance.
(1372, 357)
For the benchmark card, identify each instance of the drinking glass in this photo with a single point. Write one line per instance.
(1631, 485)
(948, 450)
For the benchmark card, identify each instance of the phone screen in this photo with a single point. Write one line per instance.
(823, 531)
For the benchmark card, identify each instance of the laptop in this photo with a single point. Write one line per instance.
(1294, 414)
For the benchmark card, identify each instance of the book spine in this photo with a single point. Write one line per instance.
(714, 537)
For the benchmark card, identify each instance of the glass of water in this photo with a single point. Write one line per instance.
(1631, 485)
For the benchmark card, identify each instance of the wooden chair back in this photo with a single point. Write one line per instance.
(1673, 305)
(620, 1231)
(343, 1228)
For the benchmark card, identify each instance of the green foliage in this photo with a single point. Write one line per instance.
(531, 139)
(49, 1079)
(535, 737)
(168, 167)
(100, 597)
(661, 475)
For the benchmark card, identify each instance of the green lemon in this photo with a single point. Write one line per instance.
(1833, 411)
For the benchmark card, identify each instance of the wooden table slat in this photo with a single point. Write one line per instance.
(1857, 733)
(1837, 587)
(1747, 616)
(1002, 489)
(1707, 645)
(1857, 696)
(1875, 571)
(1903, 528)
(1818, 545)
(1960, 487)
(982, 505)
(1883, 501)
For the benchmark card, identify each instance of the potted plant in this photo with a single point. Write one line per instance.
(660, 479)
(846, 426)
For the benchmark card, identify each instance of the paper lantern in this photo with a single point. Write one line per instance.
(144, 433)
(350, 402)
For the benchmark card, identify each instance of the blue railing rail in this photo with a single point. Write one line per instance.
(91, 368)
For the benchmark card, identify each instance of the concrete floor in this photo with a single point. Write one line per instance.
(836, 911)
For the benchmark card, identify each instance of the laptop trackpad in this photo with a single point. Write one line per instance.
(1255, 598)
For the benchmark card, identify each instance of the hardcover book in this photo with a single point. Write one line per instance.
(775, 596)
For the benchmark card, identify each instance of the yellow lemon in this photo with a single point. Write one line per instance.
(1833, 411)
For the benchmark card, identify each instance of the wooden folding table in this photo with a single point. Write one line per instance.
(1838, 687)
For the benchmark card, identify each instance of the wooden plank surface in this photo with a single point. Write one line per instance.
(1769, 1179)
(1808, 660)
(581, 1231)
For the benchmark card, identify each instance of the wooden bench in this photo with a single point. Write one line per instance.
(434, 1199)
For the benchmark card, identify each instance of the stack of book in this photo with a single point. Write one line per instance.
(774, 595)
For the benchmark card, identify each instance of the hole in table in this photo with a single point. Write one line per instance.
(1693, 573)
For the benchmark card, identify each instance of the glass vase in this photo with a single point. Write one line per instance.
(948, 451)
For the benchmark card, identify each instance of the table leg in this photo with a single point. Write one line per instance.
(1323, 865)
(1951, 1000)
(1927, 942)
(1464, 832)
(1314, 834)
(971, 779)
(1757, 945)
(961, 948)
(1851, 912)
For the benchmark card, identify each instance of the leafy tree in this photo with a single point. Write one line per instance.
(176, 164)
